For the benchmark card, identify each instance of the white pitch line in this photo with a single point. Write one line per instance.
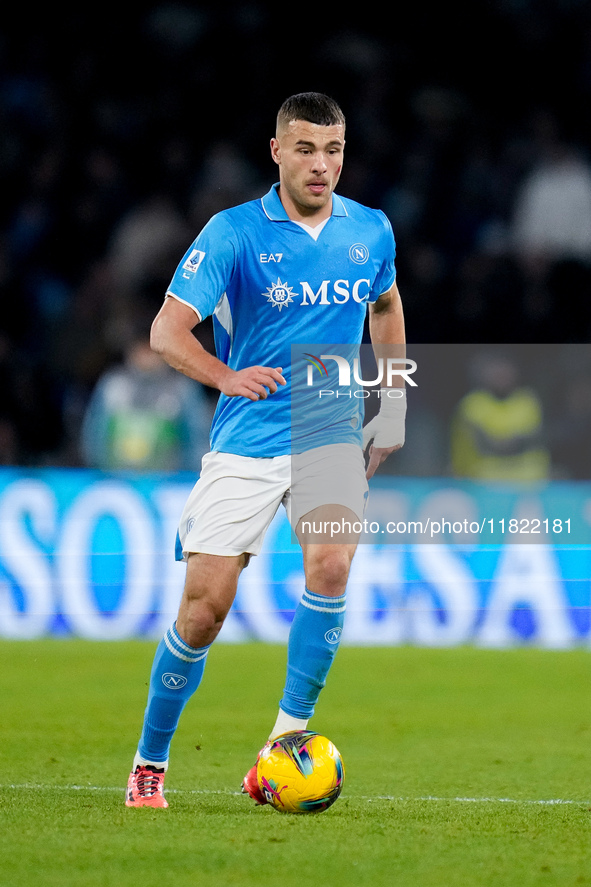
(544, 801)
(180, 791)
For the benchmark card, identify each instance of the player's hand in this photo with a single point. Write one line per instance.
(386, 432)
(377, 455)
(254, 383)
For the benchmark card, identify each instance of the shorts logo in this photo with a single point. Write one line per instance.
(333, 635)
(193, 260)
(279, 294)
(173, 681)
(359, 253)
(190, 524)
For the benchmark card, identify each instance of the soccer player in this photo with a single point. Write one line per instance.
(299, 265)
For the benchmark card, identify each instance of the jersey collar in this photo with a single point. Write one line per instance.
(275, 211)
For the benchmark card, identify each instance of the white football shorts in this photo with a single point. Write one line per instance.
(235, 499)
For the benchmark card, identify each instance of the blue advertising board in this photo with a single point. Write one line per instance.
(90, 555)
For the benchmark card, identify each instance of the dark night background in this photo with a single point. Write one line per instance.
(119, 139)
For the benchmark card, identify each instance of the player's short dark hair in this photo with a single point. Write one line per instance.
(314, 107)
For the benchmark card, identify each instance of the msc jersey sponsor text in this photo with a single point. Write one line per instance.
(328, 293)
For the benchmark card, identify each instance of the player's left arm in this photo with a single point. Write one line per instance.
(387, 333)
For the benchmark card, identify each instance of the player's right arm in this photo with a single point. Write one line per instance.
(172, 338)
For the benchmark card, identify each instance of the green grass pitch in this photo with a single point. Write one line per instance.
(464, 767)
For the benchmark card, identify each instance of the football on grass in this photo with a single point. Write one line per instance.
(300, 772)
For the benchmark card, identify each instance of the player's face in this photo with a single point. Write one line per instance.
(310, 160)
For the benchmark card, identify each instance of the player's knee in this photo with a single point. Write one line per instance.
(210, 588)
(199, 621)
(328, 571)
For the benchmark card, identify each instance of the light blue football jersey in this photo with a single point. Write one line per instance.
(269, 284)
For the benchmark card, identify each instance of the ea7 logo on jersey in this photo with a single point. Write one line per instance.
(192, 262)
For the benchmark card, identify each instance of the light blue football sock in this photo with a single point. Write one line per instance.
(314, 639)
(176, 673)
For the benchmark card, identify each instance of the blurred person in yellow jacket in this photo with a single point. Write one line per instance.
(497, 428)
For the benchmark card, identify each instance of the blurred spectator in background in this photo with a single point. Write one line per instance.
(497, 429)
(143, 243)
(144, 416)
(571, 434)
(30, 416)
(551, 233)
(552, 215)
